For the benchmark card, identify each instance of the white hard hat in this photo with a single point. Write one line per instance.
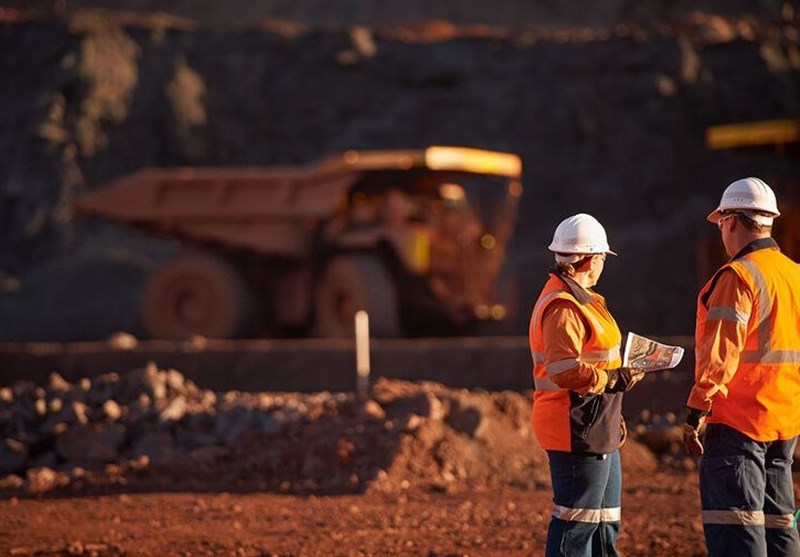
(749, 196)
(580, 234)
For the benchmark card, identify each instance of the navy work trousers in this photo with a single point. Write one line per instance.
(747, 495)
(586, 504)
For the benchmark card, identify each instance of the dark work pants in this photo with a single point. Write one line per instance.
(586, 505)
(747, 495)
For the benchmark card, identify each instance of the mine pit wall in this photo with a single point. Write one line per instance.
(607, 122)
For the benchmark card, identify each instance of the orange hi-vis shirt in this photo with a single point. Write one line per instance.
(747, 354)
(573, 337)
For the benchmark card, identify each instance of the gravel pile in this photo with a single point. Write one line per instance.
(153, 428)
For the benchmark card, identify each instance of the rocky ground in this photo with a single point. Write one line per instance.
(661, 518)
(148, 463)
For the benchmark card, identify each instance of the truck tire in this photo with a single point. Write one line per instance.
(350, 283)
(197, 294)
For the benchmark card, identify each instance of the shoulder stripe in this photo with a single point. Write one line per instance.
(542, 303)
(763, 303)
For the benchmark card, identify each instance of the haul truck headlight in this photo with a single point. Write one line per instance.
(482, 311)
(498, 312)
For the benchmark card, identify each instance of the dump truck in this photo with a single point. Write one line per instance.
(416, 238)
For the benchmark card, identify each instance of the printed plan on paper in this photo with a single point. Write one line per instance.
(649, 355)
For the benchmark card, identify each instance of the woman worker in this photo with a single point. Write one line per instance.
(579, 384)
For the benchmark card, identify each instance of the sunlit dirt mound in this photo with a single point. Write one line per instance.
(153, 429)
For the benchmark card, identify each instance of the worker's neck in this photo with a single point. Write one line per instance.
(584, 279)
(742, 238)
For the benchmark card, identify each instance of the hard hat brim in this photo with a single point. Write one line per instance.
(607, 252)
(716, 214)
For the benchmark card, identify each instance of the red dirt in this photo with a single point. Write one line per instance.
(419, 470)
(660, 517)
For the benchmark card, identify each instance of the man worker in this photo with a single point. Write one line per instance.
(747, 383)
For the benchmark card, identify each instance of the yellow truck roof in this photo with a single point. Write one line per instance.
(436, 157)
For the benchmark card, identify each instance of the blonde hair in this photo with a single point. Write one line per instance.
(566, 263)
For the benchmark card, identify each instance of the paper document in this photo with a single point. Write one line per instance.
(649, 355)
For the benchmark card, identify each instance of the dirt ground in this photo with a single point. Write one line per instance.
(660, 517)
(417, 469)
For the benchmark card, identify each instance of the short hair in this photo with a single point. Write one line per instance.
(752, 225)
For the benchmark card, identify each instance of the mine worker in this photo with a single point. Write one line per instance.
(579, 385)
(747, 383)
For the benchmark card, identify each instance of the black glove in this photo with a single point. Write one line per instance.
(622, 379)
(692, 429)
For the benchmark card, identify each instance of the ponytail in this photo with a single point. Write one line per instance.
(569, 265)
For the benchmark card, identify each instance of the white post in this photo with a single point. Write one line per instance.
(362, 354)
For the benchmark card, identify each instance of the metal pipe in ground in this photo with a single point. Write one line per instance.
(362, 354)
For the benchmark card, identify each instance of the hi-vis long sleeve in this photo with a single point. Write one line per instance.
(722, 340)
(573, 339)
(564, 333)
(748, 344)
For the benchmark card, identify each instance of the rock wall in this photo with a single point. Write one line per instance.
(609, 122)
(511, 14)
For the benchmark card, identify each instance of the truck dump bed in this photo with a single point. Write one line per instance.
(270, 211)
(258, 209)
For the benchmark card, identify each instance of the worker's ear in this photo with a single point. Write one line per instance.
(584, 264)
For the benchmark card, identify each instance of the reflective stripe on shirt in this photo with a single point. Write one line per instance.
(561, 366)
(718, 313)
(764, 310)
(542, 384)
(538, 357)
(764, 354)
(543, 302)
(592, 356)
(771, 357)
(601, 355)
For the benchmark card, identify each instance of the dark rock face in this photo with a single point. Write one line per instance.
(608, 122)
